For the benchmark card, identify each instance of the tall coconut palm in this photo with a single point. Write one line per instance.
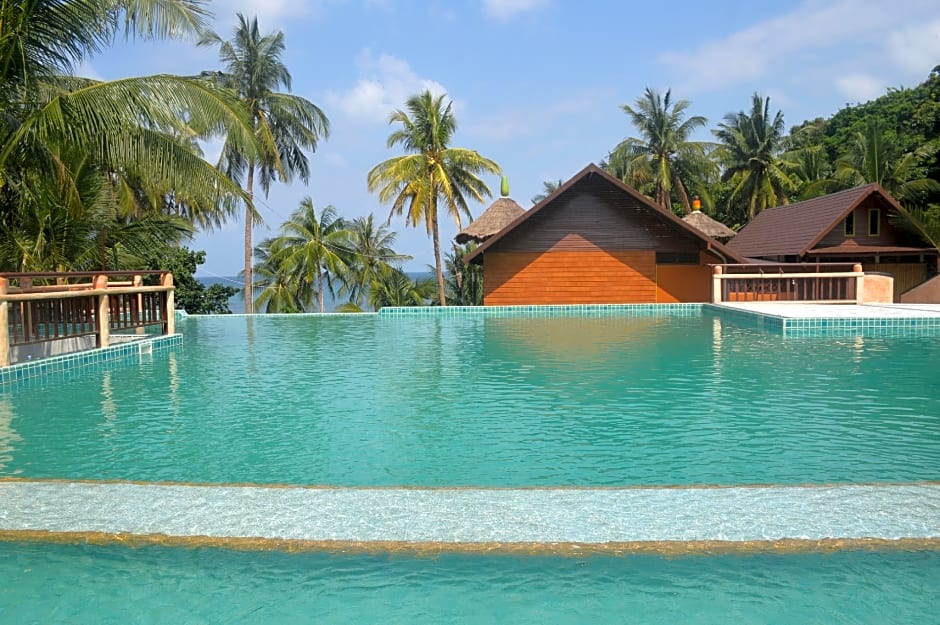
(432, 173)
(751, 152)
(127, 132)
(869, 159)
(548, 187)
(314, 247)
(287, 124)
(371, 254)
(279, 290)
(663, 152)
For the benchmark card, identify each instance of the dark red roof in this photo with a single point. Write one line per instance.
(593, 170)
(793, 229)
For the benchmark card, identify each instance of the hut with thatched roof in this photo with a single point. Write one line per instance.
(708, 226)
(500, 214)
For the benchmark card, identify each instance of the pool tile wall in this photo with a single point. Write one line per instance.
(833, 327)
(24, 371)
(567, 310)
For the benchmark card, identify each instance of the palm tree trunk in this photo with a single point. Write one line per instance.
(249, 278)
(437, 258)
(320, 290)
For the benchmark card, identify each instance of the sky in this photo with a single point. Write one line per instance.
(537, 85)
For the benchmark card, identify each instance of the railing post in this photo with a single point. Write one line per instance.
(170, 311)
(716, 284)
(139, 282)
(104, 311)
(4, 325)
(859, 284)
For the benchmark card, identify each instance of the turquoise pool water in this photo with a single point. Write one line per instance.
(488, 401)
(113, 585)
(478, 401)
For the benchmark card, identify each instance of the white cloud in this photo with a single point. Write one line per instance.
(751, 53)
(503, 10)
(385, 84)
(916, 49)
(530, 120)
(860, 87)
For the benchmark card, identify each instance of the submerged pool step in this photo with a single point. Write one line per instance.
(836, 514)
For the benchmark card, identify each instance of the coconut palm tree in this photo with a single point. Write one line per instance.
(751, 152)
(869, 159)
(432, 174)
(464, 282)
(314, 248)
(287, 124)
(279, 290)
(135, 134)
(548, 187)
(370, 255)
(657, 159)
(395, 288)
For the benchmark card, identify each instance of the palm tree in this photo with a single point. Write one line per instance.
(289, 124)
(395, 288)
(869, 160)
(279, 292)
(661, 155)
(464, 282)
(548, 187)
(751, 147)
(58, 132)
(432, 173)
(314, 248)
(370, 255)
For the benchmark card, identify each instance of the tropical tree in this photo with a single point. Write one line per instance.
(432, 173)
(395, 288)
(278, 289)
(370, 255)
(751, 148)
(464, 282)
(77, 153)
(870, 159)
(284, 124)
(313, 249)
(548, 187)
(659, 159)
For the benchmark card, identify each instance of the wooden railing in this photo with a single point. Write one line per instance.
(39, 308)
(827, 283)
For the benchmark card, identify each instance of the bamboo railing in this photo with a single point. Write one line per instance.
(38, 308)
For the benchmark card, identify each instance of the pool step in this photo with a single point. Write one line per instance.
(559, 519)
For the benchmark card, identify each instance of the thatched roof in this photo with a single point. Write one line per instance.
(708, 226)
(500, 214)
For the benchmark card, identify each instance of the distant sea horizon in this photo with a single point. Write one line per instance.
(236, 303)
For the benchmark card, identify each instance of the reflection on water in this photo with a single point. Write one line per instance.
(8, 436)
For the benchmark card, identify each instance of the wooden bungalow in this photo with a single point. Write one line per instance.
(859, 225)
(597, 241)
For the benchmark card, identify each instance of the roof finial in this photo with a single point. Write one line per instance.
(696, 203)
(504, 186)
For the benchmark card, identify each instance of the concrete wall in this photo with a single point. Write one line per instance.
(877, 289)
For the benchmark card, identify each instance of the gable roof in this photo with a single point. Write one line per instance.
(593, 170)
(795, 229)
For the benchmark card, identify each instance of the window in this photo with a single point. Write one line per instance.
(850, 224)
(874, 222)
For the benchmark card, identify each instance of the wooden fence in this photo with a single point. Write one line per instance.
(827, 283)
(38, 308)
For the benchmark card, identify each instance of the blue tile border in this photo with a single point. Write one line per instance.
(24, 371)
(834, 327)
(611, 310)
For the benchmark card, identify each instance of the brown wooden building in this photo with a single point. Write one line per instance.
(858, 225)
(597, 241)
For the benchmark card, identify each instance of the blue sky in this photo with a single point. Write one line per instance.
(537, 84)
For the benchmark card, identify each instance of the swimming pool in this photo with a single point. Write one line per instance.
(580, 406)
